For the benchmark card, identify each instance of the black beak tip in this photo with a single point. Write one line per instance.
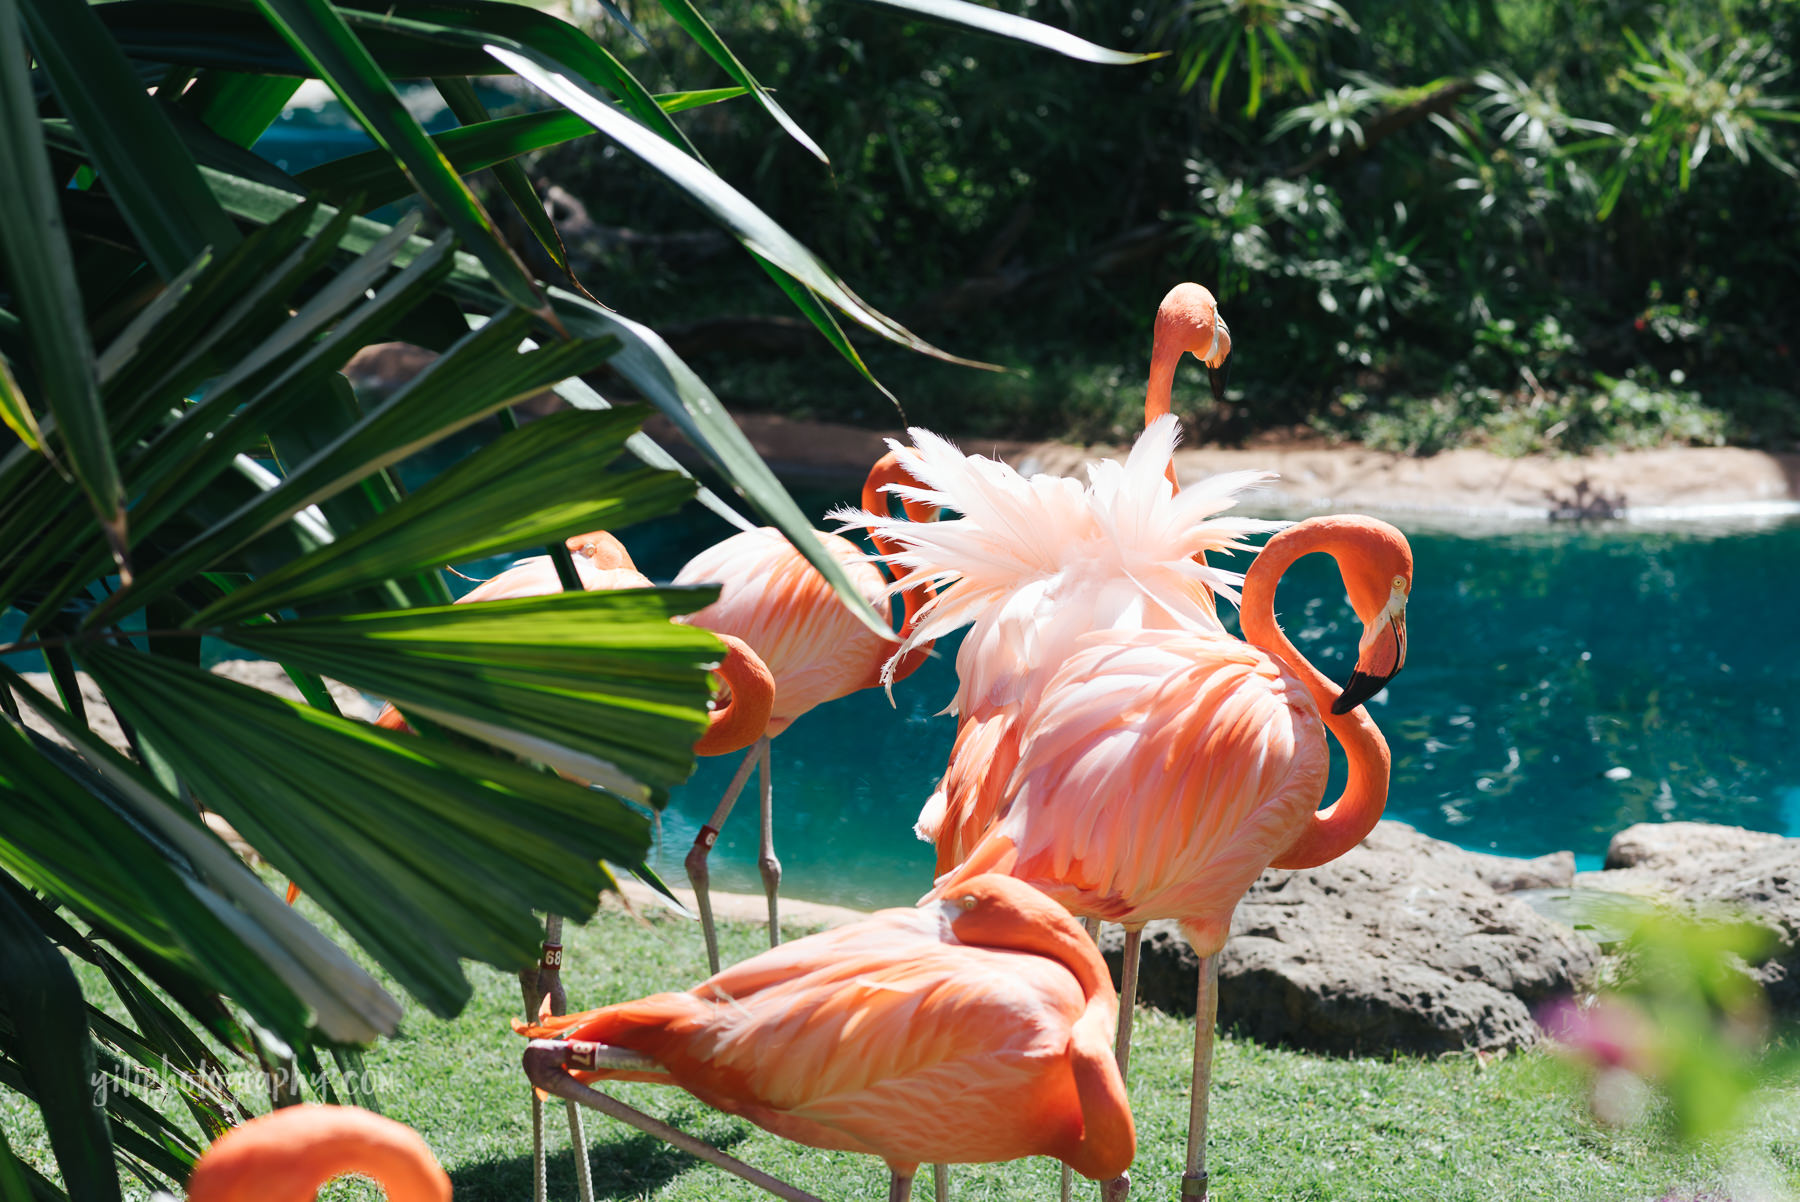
(1216, 376)
(1358, 689)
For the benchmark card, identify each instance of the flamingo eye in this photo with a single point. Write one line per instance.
(1399, 584)
(967, 901)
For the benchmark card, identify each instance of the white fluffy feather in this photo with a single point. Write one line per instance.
(1033, 563)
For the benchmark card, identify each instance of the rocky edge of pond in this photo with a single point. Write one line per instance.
(1406, 943)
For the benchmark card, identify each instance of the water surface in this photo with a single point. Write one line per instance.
(1563, 682)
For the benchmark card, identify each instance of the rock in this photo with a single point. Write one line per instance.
(1716, 869)
(1504, 874)
(1399, 945)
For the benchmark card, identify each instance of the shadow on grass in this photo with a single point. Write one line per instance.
(634, 1167)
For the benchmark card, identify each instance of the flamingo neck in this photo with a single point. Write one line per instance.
(1340, 826)
(1165, 355)
(745, 716)
(889, 470)
(285, 1156)
(1061, 940)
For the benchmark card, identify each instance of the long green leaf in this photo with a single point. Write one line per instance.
(425, 852)
(540, 483)
(39, 995)
(1015, 29)
(689, 18)
(480, 22)
(318, 32)
(135, 149)
(13, 1187)
(578, 393)
(375, 177)
(41, 273)
(599, 685)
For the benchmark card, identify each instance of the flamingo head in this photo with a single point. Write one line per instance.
(601, 547)
(1188, 322)
(1378, 580)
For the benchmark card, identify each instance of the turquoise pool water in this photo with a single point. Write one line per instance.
(1542, 658)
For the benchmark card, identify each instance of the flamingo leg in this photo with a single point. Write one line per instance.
(899, 1188)
(940, 1183)
(1092, 926)
(1206, 1017)
(546, 1066)
(698, 876)
(771, 867)
(1119, 1188)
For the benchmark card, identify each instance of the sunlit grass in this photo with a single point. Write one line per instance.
(1285, 1125)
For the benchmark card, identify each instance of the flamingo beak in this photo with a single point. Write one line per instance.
(1216, 377)
(1383, 655)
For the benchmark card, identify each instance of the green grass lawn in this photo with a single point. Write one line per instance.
(1285, 1125)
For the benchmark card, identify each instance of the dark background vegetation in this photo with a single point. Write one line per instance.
(1530, 225)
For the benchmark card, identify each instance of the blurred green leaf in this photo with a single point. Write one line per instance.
(42, 1003)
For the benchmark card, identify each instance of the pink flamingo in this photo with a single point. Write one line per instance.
(1161, 771)
(972, 1030)
(602, 562)
(287, 1155)
(777, 603)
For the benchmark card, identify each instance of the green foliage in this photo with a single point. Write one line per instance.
(187, 462)
(1368, 190)
(1681, 1018)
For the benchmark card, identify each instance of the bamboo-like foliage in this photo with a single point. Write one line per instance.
(187, 461)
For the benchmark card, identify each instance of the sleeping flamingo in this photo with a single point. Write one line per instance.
(970, 1030)
(772, 599)
(286, 1155)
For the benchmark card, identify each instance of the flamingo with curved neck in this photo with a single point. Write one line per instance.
(1160, 771)
(1376, 564)
(286, 1155)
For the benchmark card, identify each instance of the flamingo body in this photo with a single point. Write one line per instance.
(931, 1034)
(779, 604)
(1158, 774)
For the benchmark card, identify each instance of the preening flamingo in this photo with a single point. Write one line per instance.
(972, 1029)
(1161, 771)
(286, 1155)
(776, 602)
